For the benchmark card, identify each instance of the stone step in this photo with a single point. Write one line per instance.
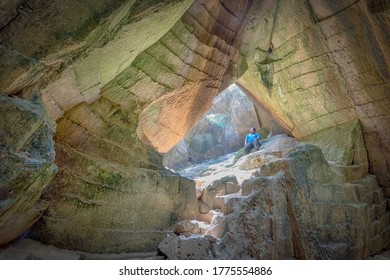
(189, 227)
(207, 217)
(351, 172)
(217, 225)
(343, 233)
(336, 193)
(380, 241)
(379, 226)
(224, 186)
(201, 226)
(220, 201)
(364, 190)
(336, 213)
(377, 211)
(378, 196)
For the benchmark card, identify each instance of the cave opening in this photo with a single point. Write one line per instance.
(219, 135)
(221, 131)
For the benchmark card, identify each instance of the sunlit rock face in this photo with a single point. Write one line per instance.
(222, 130)
(109, 83)
(297, 205)
(323, 69)
(124, 80)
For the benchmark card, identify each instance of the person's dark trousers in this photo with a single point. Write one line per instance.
(248, 147)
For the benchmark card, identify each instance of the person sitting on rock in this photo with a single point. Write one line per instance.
(252, 140)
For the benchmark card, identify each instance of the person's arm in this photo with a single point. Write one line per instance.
(246, 140)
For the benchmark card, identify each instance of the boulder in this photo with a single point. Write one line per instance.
(217, 225)
(297, 207)
(183, 227)
(223, 186)
(194, 247)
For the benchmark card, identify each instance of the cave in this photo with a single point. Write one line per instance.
(93, 94)
(221, 131)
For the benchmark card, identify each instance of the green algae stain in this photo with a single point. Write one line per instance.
(110, 179)
(266, 75)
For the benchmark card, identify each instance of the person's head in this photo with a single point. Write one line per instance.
(252, 130)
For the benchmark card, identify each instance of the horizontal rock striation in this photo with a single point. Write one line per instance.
(124, 80)
(324, 69)
(198, 57)
(297, 207)
(112, 193)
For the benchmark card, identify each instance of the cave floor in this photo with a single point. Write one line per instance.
(28, 249)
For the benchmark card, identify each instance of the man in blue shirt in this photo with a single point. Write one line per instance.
(252, 140)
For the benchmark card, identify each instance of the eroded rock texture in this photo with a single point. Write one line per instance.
(26, 164)
(324, 68)
(124, 79)
(297, 206)
(292, 204)
(221, 131)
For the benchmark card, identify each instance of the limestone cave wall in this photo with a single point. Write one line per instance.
(110, 85)
(323, 69)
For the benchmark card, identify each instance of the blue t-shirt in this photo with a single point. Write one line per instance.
(251, 137)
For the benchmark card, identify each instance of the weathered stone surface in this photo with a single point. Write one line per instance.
(102, 200)
(178, 157)
(298, 207)
(217, 225)
(31, 31)
(343, 145)
(26, 164)
(225, 185)
(148, 71)
(323, 72)
(222, 130)
(183, 227)
(194, 247)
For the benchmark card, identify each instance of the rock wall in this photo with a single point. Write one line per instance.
(221, 131)
(124, 79)
(111, 194)
(296, 207)
(323, 69)
(113, 78)
(26, 164)
(287, 202)
(40, 38)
